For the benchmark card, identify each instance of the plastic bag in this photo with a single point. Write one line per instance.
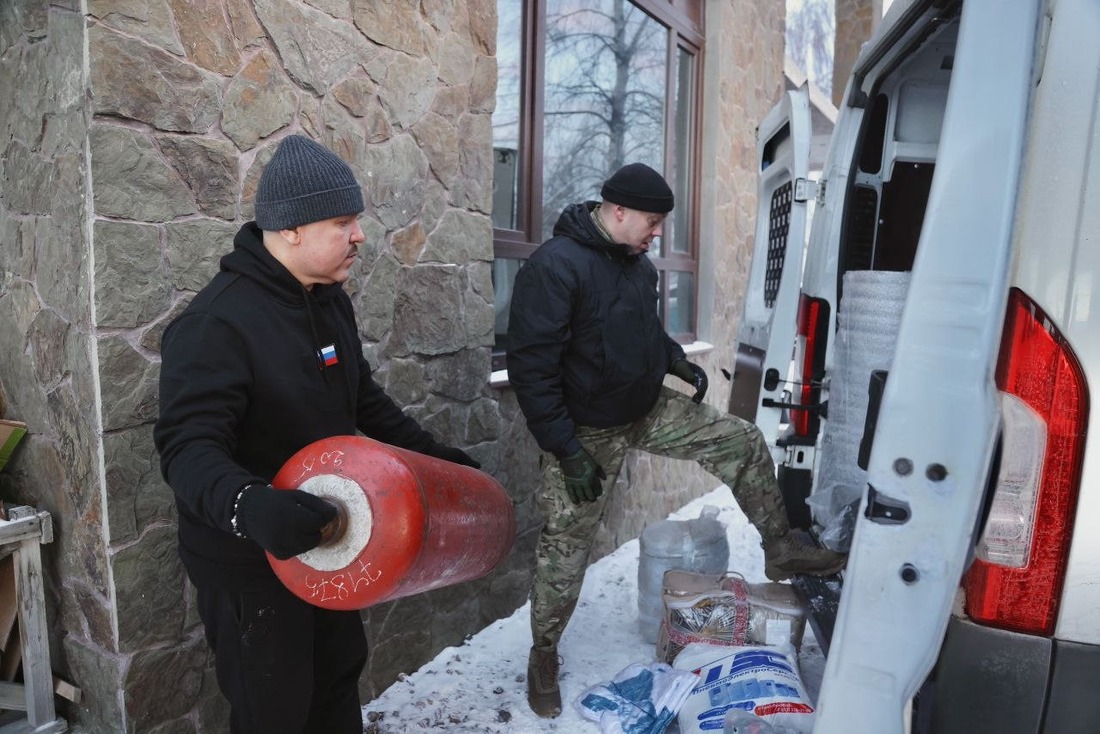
(641, 699)
(698, 545)
(725, 610)
(720, 618)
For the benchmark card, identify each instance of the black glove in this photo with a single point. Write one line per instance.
(691, 373)
(453, 455)
(285, 522)
(582, 477)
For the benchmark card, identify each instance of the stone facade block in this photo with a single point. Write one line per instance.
(428, 312)
(206, 35)
(132, 179)
(259, 101)
(137, 496)
(129, 384)
(149, 701)
(855, 20)
(133, 280)
(149, 588)
(133, 80)
(151, 21)
(317, 50)
(394, 24)
(395, 180)
(461, 236)
(407, 90)
(195, 249)
(208, 168)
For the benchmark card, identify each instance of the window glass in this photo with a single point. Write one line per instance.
(584, 87)
(504, 276)
(680, 318)
(606, 65)
(506, 117)
(684, 111)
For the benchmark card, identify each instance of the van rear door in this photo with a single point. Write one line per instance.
(766, 336)
(939, 418)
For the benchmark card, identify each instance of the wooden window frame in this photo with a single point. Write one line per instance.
(683, 20)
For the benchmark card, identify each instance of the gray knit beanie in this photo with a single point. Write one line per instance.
(305, 182)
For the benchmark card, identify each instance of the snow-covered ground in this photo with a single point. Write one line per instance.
(481, 686)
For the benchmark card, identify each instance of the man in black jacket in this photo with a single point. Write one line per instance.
(265, 360)
(587, 358)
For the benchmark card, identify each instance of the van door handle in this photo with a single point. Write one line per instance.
(821, 409)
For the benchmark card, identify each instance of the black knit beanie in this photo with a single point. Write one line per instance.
(637, 186)
(305, 182)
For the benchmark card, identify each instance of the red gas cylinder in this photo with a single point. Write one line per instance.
(406, 523)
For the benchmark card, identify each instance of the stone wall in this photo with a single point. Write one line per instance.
(855, 21)
(124, 174)
(49, 361)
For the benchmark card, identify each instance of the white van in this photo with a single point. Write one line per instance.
(924, 367)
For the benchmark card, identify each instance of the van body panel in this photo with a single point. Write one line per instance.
(1058, 255)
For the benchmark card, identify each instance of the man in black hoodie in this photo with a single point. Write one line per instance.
(265, 360)
(587, 358)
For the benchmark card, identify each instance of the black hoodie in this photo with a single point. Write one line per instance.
(585, 344)
(242, 388)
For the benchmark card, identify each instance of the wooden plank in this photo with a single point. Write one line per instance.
(26, 528)
(37, 676)
(66, 690)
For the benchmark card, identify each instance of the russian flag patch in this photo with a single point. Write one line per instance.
(328, 355)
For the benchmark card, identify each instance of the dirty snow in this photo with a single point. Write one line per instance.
(481, 686)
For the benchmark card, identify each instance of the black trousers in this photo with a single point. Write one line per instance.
(286, 667)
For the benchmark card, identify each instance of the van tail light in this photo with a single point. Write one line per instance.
(813, 324)
(1016, 579)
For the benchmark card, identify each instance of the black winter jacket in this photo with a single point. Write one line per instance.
(585, 344)
(242, 388)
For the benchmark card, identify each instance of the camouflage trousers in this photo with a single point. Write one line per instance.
(726, 446)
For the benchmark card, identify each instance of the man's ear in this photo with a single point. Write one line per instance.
(293, 236)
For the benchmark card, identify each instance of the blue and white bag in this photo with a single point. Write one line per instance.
(762, 680)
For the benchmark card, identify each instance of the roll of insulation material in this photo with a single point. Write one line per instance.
(867, 326)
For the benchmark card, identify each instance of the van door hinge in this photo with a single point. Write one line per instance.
(805, 189)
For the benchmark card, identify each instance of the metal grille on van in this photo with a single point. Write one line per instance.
(779, 223)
